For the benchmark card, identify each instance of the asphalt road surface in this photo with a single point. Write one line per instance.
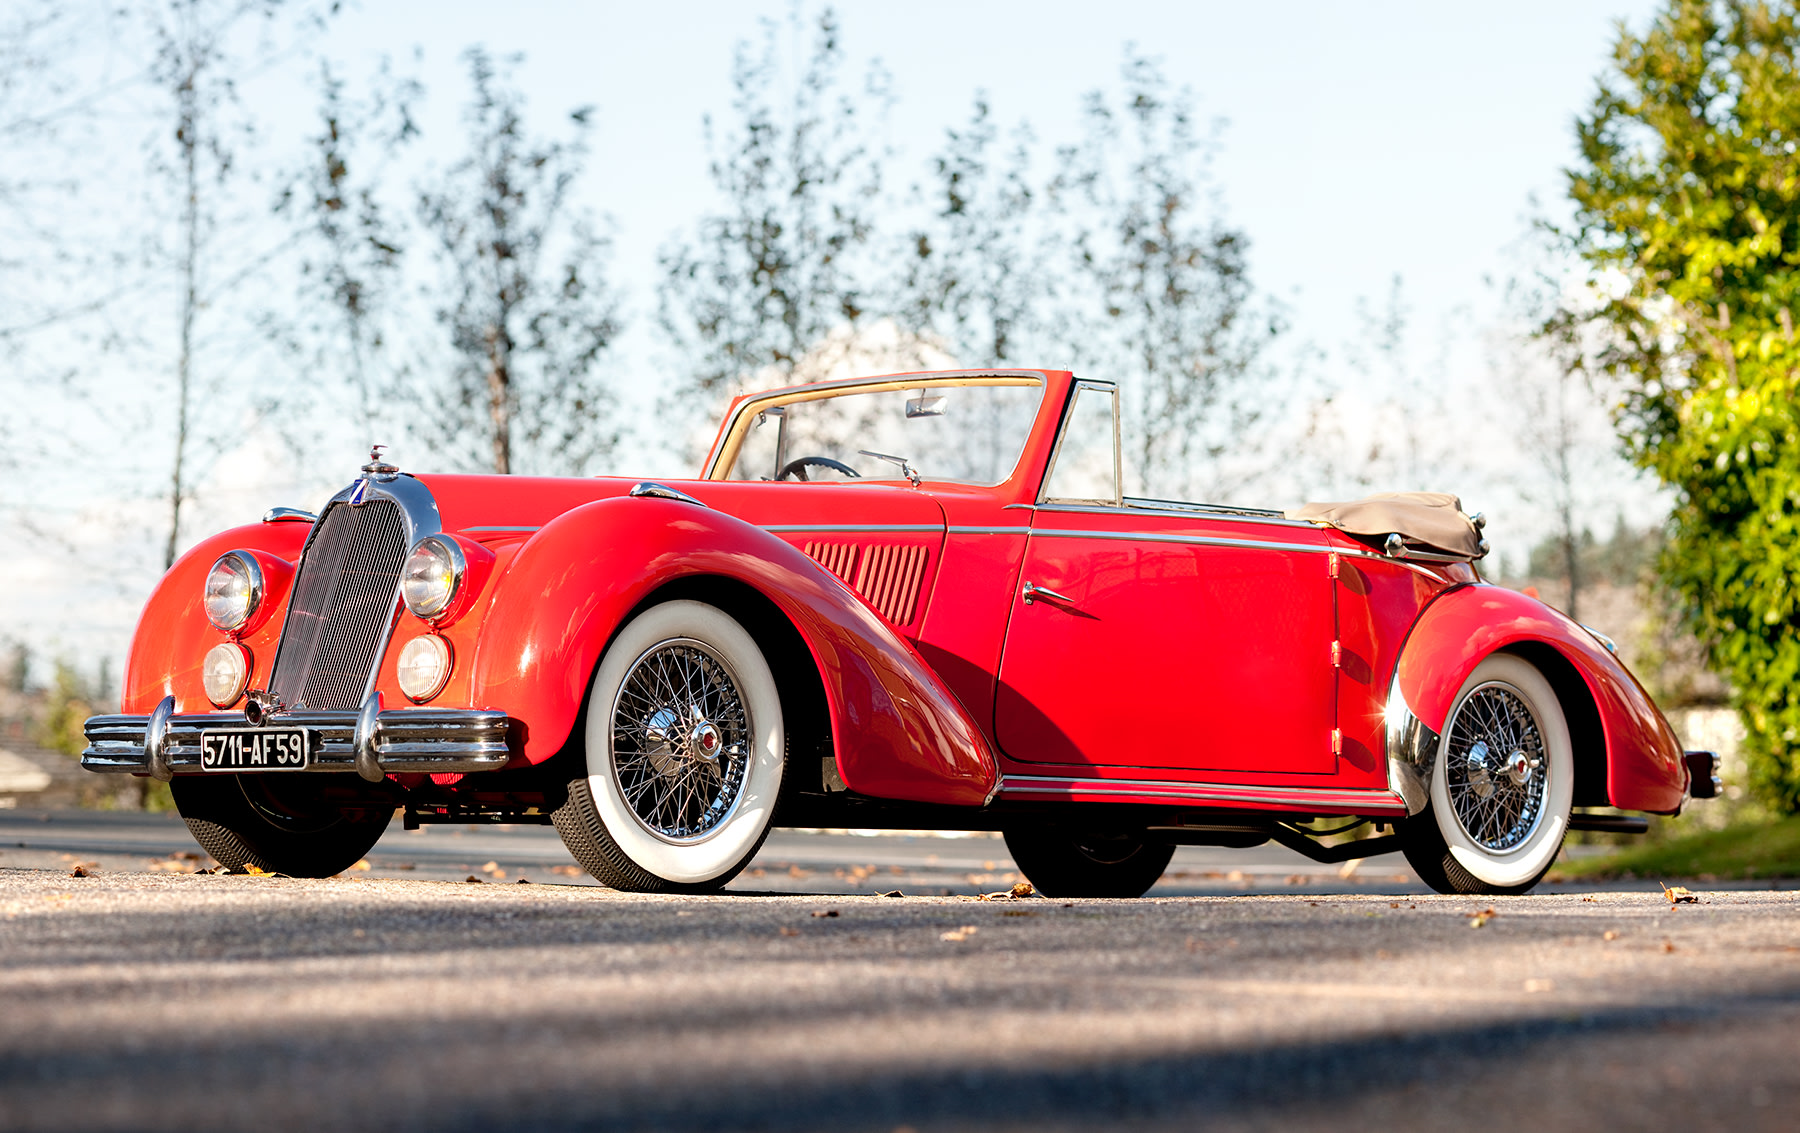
(1284, 997)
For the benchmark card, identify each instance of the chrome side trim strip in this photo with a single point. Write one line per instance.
(988, 530)
(1135, 506)
(1336, 798)
(1199, 540)
(857, 527)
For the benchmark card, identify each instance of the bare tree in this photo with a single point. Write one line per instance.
(773, 276)
(522, 293)
(200, 59)
(972, 279)
(351, 267)
(1177, 318)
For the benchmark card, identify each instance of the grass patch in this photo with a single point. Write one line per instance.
(1743, 852)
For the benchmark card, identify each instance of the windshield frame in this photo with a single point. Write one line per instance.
(737, 425)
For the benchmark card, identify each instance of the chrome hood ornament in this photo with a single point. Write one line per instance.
(376, 471)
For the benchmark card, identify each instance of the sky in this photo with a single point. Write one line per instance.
(1360, 143)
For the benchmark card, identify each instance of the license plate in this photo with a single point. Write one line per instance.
(253, 749)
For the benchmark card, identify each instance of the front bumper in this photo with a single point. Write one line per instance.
(372, 743)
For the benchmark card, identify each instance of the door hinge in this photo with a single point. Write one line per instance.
(1337, 741)
(1333, 560)
(1337, 654)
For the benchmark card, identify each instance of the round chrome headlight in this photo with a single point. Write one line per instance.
(424, 667)
(234, 589)
(225, 672)
(432, 575)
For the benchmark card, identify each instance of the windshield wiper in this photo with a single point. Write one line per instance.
(910, 472)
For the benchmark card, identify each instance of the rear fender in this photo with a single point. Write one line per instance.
(1604, 703)
(897, 731)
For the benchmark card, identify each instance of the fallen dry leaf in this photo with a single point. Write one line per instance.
(1668, 946)
(1023, 889)
(1476, 920)
(893, 893)
(257, 871)
(962, 933)
(1610, 934)
(1591, 900)
(476, 880)
(80, 871)
(524, 881)
(1679, 895)
(825, 912)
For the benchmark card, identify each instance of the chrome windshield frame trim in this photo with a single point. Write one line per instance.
(926, 379)
(1076, 388)
(1385, 801)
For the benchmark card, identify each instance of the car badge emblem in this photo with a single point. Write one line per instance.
(359, 493)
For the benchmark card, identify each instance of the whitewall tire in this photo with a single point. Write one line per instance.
(1502, 785)
(685, 748)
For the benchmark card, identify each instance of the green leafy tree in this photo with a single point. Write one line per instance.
(1687, 194)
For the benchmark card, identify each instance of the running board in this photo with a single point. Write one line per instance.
(1361, 848)
(1610, 823)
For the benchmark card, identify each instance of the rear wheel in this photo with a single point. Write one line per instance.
(1062, 863)
(299, 825)
(685, 755)
(1501, 787)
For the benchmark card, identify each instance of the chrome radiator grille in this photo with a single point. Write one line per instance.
(343, 603)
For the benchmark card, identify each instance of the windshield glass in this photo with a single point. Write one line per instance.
(969, 433)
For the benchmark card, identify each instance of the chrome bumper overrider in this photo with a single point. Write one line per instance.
(373, 743)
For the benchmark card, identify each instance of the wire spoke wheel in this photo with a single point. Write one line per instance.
(680, 733)
(1502, 784)
(1496, 770)
(685, 754)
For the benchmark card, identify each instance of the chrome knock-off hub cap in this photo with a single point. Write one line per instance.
(681, 740)
(1498, 799)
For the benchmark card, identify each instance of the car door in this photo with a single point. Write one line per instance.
(1164, 638)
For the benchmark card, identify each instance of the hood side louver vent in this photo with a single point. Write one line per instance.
(887, 576)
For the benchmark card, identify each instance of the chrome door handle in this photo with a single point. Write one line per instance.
(1045, 592)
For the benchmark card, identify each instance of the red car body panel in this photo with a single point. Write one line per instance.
(899, 733)
(1644, 768)
(1195, 656)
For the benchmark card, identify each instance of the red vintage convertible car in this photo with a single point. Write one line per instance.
(911, 601)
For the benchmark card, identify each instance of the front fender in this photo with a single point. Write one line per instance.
(1644, 768)
(173, 635)
(898, 732)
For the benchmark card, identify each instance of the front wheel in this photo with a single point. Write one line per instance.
(685, 755)
(1502, 785)
(299, 825)
(1062, 863)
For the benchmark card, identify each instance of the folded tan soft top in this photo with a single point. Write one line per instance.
(1427, 521)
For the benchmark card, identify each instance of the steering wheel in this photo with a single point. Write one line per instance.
(798, 466)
